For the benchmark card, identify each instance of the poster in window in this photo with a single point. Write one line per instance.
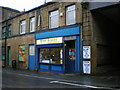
(72, 55)
(31, 50)
(21, 53)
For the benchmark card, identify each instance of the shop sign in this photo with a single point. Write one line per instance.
(86, 67)
(86, 52)
(50, 41)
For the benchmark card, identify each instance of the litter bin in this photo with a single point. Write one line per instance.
(14, 64)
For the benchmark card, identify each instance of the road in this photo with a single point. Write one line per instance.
(18, 79)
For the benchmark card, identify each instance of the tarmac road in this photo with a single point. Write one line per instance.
(13, 79)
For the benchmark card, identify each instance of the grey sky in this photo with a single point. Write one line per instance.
(21, 4)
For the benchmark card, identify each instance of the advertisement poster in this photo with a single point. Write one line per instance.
(72, 55)
(86, 67)
(86, 52)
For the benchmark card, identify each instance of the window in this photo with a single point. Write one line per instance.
(39, 20)
(3, 53)
(70, 15)
(3, 32)
(31, 50)
(9, 30)
(51, 55)
(21, 53)
(32, 24)
(22, 27)
(53, 19)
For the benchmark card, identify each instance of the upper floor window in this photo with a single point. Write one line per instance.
(32, 24)
(9, 30)
(39, 21)
(22, 27)
(54, 19)
(70, 15)
(3, 32)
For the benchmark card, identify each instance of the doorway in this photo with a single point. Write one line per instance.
(31, 63)
(70, 56)
(9, 56)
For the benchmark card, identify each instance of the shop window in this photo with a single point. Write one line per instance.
(22, 27)
(54, 19)
(9, 30)
(32, 24)
(51, 55)
(70, 15)
(21, 53)
(3, 32)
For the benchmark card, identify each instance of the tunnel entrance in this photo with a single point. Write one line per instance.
(107, 38)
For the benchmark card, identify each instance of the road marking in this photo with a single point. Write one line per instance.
(37, 77)
(79, 85)
(67, 82)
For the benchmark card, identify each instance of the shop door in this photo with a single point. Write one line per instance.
(9, 56)
(70, 56)
(31, 63)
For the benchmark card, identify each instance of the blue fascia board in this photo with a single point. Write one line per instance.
(58, 33)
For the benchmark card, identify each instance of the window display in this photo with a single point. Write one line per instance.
(21, 53)
(50, 55)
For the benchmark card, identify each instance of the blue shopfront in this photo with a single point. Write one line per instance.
(58, 51)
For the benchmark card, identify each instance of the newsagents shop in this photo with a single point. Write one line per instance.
(58, 51)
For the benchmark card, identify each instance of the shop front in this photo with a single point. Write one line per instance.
(58, 51)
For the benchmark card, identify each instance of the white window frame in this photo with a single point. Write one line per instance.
(32, 24)
(70, 9)
(39, 20)
(52, 15)
(22, 26)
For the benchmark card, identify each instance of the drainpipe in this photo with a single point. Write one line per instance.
(81, 45)
(5, 46)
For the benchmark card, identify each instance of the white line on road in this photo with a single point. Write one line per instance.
(79, 85)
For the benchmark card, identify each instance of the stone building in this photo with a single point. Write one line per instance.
(60, 37)
(5, 13)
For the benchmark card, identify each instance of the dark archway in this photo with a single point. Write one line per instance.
(106, 31)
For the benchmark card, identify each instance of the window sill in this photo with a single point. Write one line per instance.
(51, 64)
(32, 31)
(22, 33)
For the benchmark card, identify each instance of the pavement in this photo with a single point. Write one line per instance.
(108, 81)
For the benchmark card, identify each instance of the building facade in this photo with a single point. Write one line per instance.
(5, 13)
(38, 39)
(58, 37)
